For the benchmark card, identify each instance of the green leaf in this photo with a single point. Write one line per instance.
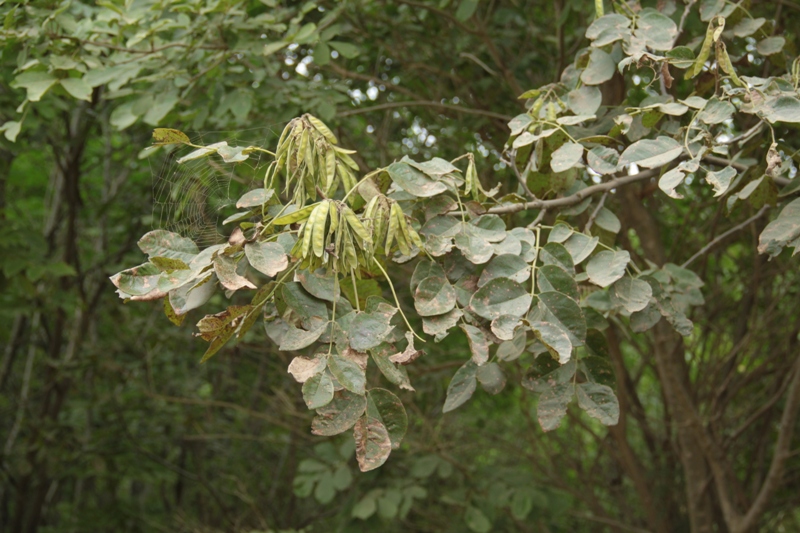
(547, 372)
(461, 387)
(348, 373)
(162, 243)
(425, 269)
(580, 246)
(254, 198)
(474, 518)
(748, 26)
(518, 124)
(599, 401)
(598, 370)
(138, 281)
(600, 69)
(434, 296)
(771, 45)
(607, 220)
(566, 156)
(681, 57)
(269, 258)
(491, 378)
(603, 160)
(11, 129)
(651, 153)
(320, 284)
(716, 112)
(782, 109)
(478, 344)
(781, 232)
(721, 180)
(657, 30)
(607, 267)
(562, 311)
(339, 415)
(365, 508)
(77, 88)
(508, 266)
(163, 105)
(504, 327)
(466, 9)
(585, 100)
(373, 444)
(555, 339)
(347, 50)
(297, 339)
(388, 409)
(555, 278)
(553, 404)
(631, 294)
(608, 25)
(500, 296)
(415, 182)
(318, 391)
(36, 83)
(670, 180)
(553, 253)
(511, 350)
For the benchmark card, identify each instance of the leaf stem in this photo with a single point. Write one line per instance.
(396, 300)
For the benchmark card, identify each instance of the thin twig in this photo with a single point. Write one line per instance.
(725, 235)
(595, 212)
(424, 103)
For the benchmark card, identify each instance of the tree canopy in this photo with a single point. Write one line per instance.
(571, 226)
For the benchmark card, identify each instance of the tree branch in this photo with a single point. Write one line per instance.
(725, 235)
(423, 103)
(775, 473)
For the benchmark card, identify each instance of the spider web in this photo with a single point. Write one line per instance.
(192, 198)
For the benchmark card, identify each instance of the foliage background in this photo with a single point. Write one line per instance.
(108, 422)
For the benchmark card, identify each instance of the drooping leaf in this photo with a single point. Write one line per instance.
(319, 284)
(555, 339)
(415, 182)
(781, 232)
(388, 409)
(461, 387)
(302, 368)
(478, 344)
(297, 339)
(373, 444)
(226, 268)
(439, 325)
(553, 404)
(475, 519)
(600, 69)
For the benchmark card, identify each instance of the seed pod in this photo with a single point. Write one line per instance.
(320, 219)
(358, 227)
(322, 128)
(330, 171)
(296, 216)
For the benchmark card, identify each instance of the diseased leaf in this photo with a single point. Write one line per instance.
(339, 415)
(553, 404)
(555, 339)
(500, 296)
(599, 402)
(585, 100)
(600, 69)
(269, 258)
(434, 296)
(508, 266)
(255, 198)
(580, 246)
(415, 182)
(631, 294)
(504, 326)
(553, 253)
(162, 243)
(562, 311)
(478, 344)
(367, 330)
(721, 180)
(781, 232)
(297, 339)
(555, 278)
(302, 368)
(439, 325)
(566, 156)
(320, 284)
(491, 378)
(373, 444)
(716, 111)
